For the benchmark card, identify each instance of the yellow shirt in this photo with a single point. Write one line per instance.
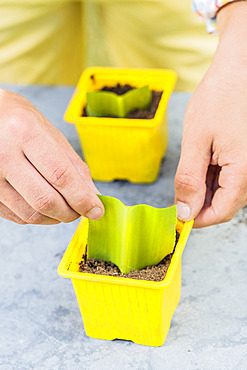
(44, 41)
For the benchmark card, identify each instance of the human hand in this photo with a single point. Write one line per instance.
(42, 179)
(211, 179)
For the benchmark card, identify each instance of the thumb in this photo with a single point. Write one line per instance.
(190, 179)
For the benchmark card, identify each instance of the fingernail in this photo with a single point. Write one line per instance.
(183, 211)
(95, 213)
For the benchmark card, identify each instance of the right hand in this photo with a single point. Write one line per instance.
(211, 179)
(42, 179)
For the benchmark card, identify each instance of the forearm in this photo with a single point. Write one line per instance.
(232, 15)
(232, 27)
(230, 60)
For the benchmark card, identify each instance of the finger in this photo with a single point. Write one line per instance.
(36, 191)
(226, 200)
(190, 179)
(74, 158)
(22, 210)
(6, 213)
(56, 168)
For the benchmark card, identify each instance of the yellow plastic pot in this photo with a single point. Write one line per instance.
(120, 148)
(122, 308)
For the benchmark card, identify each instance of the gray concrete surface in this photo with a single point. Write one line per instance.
(40, 322)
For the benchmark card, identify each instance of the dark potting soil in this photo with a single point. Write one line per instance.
(137, 113)
(151, 273)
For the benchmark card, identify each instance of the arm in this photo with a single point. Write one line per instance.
(211, 179)
(42, 179)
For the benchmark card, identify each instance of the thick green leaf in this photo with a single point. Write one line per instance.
(105, 103)
(132, 237)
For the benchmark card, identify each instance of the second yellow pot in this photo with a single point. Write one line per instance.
(121, 148)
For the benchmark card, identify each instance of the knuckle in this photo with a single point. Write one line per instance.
(19, 123)
(60, 176)
(83, 166)
(190, 109)
(228, 218)
(35, 218)
(190, 112)
(224, 218)
(86, 169)
(20, 221)
(4, 157)
(44, 203)
(187, 182)
(84, 204)
(22, 124)
(71, 218)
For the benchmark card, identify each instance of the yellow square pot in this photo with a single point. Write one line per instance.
(122, 308)
(120, 148)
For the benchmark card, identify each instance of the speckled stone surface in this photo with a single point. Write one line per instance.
(40, 322)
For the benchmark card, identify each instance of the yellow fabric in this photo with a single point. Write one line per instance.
(159, 34)
(43, 41)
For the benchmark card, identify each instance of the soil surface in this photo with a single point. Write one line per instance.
(137, 113)
(151, 273)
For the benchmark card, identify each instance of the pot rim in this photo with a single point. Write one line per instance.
(165, 78)
(78, 240)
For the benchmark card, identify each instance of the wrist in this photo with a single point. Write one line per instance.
(232, 26)
(232, 16)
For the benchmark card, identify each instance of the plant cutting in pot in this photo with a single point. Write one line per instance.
(133, 238)
(118, 147)
(107, 103)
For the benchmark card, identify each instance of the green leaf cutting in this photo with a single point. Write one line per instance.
(105, 103)
(132, 237)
